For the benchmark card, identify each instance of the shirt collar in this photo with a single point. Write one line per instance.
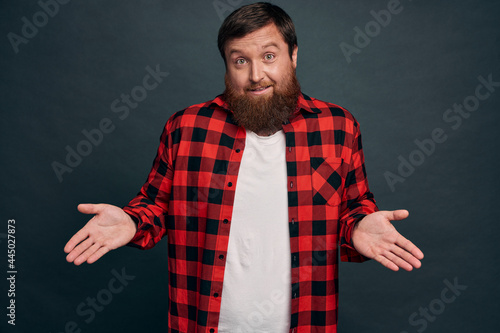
(304, 103)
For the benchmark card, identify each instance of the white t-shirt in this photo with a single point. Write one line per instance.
(256, 293)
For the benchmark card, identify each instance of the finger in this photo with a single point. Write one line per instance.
(410, 247)
(77, 251)
(406, 256)
(86, 254)
(386, 262)
(97, 255)
(90, 208)
(398, 261)
(77, 238)
(395, 215)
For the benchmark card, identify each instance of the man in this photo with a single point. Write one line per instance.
(256, 190)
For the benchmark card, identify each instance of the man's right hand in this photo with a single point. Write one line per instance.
(109, 229)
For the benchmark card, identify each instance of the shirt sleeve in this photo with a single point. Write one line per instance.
(149, 208)
(357, 201)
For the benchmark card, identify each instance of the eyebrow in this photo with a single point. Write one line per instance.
(264, 47)
(271, 44)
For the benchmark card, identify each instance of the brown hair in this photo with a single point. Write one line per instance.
(250, 18)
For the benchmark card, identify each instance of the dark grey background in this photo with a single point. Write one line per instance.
(399, 86)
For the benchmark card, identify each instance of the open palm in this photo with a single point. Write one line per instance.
(109, 229)
(376, 238)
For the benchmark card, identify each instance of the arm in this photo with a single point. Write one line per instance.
(149, 208)
(357, 200)
(141, 223)
(367, 233)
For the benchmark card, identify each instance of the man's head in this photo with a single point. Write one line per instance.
(252, 17)
(259, 47)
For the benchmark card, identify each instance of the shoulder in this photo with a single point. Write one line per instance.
(325, 111)
(199, 114)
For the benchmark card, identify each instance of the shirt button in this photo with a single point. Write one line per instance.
(293, 221)
(238, 150)
(290, 149)
(291, 184)
(216, 295)
(229, 184)
(226, 221)
(212, 330)
(221, 257)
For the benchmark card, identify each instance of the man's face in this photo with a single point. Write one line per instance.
(261, 86)
(259, 63)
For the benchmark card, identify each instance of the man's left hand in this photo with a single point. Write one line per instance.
(376, 238)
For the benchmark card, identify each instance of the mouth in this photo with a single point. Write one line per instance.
(259, 90)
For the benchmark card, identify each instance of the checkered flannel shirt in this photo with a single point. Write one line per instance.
(189, 197)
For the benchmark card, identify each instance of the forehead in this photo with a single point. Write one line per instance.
(255, 41)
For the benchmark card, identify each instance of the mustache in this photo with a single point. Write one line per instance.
(259, 85)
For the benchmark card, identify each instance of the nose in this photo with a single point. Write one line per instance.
(256, 72)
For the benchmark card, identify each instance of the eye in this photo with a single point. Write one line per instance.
(269, 56)
(240, 61)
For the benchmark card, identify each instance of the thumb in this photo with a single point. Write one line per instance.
(395, 215)
(90, 208)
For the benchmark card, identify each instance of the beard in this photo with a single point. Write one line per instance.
(264, 115)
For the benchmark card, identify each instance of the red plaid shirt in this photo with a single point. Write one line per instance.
(189, 197)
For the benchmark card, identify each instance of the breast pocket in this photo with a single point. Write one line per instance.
(327, 180)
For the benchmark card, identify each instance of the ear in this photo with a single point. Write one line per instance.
(294, 56)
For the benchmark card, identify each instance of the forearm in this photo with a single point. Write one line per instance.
(149, 209)
(150, 217)
(357, 200)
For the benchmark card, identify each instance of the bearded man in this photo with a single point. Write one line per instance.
(257, 192)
